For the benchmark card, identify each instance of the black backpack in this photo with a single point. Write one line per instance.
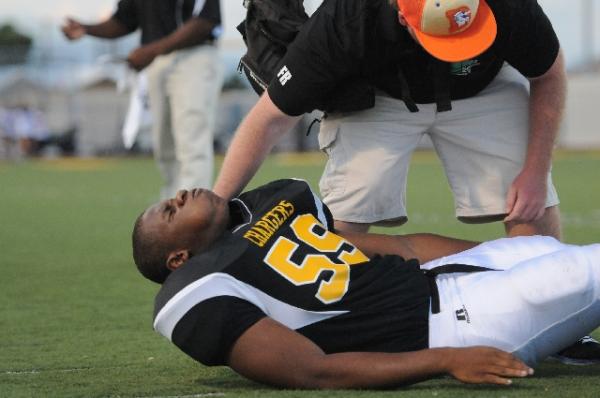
(270, 26)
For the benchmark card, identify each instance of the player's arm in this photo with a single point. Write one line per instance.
(257, 134)
(195, 31)
(271, 353)
(526, 199)
(422, 246)
(108, 29)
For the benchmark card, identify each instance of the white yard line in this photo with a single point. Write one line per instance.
(21, 372)
(36, 371)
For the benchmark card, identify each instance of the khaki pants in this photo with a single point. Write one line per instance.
(184, 87)
(482, 144)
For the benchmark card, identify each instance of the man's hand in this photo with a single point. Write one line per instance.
(143, 56)
(486, 365)
(526, 200)
(72, 29)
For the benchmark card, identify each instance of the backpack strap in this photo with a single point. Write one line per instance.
(405, 93)
(431, 274)
(397, 86)
(441, 85)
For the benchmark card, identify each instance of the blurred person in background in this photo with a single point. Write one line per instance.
(179, 54)
(25, 127)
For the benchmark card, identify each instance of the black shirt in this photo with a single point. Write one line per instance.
(159, 18)
(285, 263)
(345, 41)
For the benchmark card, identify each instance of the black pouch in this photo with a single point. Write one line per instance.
(270, 26)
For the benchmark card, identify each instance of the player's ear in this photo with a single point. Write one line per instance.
(401, 19)
(175, 259)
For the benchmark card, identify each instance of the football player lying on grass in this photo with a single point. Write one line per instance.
(262, 284)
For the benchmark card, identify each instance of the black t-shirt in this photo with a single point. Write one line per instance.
(284, 263)
(362, 39)
(159, 18)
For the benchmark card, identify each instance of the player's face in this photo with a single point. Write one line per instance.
(190, 221)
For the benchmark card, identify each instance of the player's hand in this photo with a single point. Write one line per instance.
(72, 29)
(486, 365)
(526, 200)
(143, 56)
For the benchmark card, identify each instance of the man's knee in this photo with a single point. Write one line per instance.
(569, 277)
(344, 226)
(548, 225)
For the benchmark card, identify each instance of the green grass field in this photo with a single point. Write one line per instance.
(75, 317)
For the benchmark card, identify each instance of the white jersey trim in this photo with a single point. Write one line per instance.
(248, 214)
(220, 284)
(318, 204)
(320, 211)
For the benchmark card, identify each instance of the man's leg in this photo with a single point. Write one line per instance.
(343, 226)
(163, 144)
(502, 254)
(482, 143)
(518, 311)
(548, 225)
(194, 85)
(369, 152)
(583, 318)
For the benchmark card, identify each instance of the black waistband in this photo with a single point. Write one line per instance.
(447, 269)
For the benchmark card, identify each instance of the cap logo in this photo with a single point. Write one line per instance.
(460, 19)
(450, 30)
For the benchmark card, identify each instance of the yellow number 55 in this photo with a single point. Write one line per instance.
(311, 267)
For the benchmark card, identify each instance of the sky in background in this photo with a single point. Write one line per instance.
(41, 19)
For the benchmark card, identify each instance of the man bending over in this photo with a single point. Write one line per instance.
(263, 284)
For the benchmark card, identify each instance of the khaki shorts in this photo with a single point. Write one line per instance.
(482, 144)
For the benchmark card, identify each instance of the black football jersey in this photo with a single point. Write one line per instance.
(284, 262)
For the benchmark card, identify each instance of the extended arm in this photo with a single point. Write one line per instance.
(254, 139)
(424, 247)
(195, 31)
(527, 196)
(271, 353)
(109, 29)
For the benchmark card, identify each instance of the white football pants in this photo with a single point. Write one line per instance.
(544, 296)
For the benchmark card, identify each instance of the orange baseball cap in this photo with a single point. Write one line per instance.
(451, 30)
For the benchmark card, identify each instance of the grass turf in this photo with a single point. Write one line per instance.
(75, 317)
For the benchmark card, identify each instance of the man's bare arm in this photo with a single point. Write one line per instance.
(526, 199)
(108, 29)
(254, 139)
(271, 353)
(422, 246)
(195, 31)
